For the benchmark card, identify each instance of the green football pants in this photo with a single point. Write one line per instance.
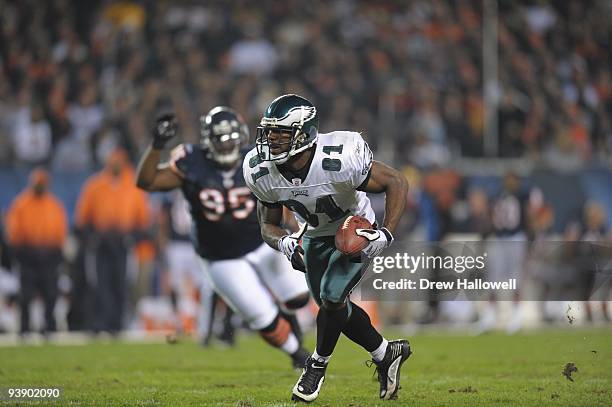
(330, 275)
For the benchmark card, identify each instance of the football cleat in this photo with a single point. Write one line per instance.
(388, 369)
(299, 358)
(309, 384)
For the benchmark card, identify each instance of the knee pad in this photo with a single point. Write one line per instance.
(297, 302)
(277, 332)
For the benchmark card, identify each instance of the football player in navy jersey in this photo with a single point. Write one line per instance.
(251, 277)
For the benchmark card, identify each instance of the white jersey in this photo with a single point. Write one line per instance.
(341, 163)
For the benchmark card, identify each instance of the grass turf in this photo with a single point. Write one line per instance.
(444, 370)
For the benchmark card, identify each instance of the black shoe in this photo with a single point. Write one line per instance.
(299, 358)
(228, 337)
(389, 368)
(309, 384)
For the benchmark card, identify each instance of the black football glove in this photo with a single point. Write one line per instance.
(164, 130)
(297, 260)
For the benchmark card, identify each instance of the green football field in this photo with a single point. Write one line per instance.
(444, 370)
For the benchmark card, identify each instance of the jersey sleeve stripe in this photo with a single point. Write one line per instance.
(364, 184)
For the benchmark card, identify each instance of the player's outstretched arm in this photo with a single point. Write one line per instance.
(152, 176)
(390, 181)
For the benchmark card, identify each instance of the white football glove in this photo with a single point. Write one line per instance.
(289, 245)
(379, 240)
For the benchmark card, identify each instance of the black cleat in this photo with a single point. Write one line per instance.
(309, 384)
(299, 358)
(388, 369)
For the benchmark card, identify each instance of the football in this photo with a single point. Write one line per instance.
(347, 241)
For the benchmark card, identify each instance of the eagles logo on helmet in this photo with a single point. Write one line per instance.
(222, 133)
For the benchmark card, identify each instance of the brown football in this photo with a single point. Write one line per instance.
(347, 241)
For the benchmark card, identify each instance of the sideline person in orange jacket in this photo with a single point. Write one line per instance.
(37, 227)
(111, 215)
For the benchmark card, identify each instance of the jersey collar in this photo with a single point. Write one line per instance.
(302, 173)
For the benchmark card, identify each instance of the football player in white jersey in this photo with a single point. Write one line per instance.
(323, 178)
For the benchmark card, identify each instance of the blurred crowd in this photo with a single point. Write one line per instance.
(554, 254)
(79, 78)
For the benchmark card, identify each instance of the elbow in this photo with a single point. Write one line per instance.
(405, 184)
(144, 179)
(142, 184)
(400, 184)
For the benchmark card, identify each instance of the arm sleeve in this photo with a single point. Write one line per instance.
(360, 162)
